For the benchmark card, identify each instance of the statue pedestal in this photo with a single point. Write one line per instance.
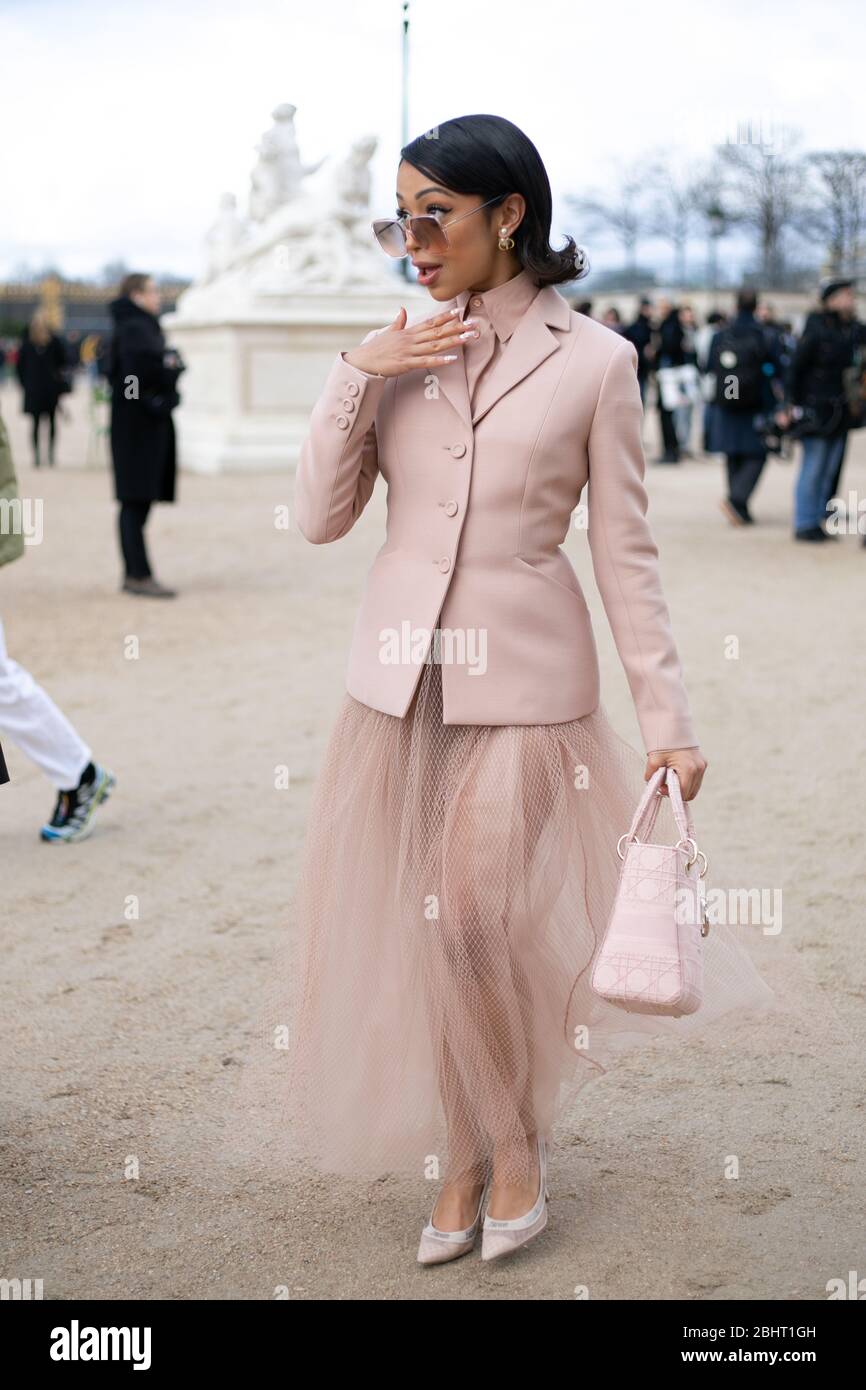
(253, 375)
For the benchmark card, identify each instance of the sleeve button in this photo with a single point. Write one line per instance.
(342, 422)
(352, 388)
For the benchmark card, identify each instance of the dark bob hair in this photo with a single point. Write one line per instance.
(491, 157)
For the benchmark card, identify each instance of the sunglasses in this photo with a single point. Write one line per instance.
(427, 230)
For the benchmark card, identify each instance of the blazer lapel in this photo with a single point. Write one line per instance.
(529, 345)
(451, 377)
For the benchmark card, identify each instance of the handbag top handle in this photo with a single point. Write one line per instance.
(648, 806)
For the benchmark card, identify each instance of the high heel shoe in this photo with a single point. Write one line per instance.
(503, 1237)
(438, 1246)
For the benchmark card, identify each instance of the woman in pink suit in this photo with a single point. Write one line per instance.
(461, 864)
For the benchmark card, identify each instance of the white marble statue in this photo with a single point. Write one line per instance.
(309, 231)
(285, 289)
(278, 172)
(322, 238)
(224, 238)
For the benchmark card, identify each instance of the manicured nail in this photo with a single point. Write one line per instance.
(452, 357)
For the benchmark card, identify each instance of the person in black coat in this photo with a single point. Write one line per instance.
(640, 335)
(143, 374)
(40, 367)
(816, 389)
(670, 353)
(745, 352)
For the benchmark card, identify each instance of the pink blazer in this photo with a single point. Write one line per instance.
(479, 501)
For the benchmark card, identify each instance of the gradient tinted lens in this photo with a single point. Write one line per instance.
(428, 233)
(425, 230)
(389, 236)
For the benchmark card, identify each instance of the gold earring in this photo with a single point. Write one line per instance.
(506, 242)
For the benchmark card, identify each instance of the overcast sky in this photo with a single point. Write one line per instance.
(121, 124)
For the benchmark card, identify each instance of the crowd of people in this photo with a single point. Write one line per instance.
(758, 387)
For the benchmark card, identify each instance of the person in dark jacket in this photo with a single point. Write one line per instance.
(669, 353)
(816, 392)
(143, 374)
(72, 348)
(40, 367)
(640, 335)
(745, 354)
(766, 316)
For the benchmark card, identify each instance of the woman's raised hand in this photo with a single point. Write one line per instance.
(398, 349)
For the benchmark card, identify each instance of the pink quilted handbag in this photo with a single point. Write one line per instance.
(651, 960)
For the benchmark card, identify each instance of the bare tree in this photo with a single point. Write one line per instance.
(764, 187)
(839, 210)
(676, 189)
(715, 220)
(624, 213)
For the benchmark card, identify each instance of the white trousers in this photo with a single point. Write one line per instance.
(30, 718)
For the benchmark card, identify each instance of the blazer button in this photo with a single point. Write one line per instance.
(476, 303)
(352, 388)
(342, 422)
(445, 565)
(458, 450)
(450, 508)
(348, 405)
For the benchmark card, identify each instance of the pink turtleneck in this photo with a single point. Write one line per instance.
(496, 313)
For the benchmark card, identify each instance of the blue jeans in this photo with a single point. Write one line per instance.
(683, 425)
(818, 469)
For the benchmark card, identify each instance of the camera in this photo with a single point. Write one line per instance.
(773, 434)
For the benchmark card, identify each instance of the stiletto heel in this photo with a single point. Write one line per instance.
(503, 1237)
(438, 1246)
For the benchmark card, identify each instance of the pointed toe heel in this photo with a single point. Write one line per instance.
(437, 1247)
(500, 1238)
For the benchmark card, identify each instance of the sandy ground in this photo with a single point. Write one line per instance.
(122, 1038)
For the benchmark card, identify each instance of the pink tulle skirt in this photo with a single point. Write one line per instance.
(431, 1001)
